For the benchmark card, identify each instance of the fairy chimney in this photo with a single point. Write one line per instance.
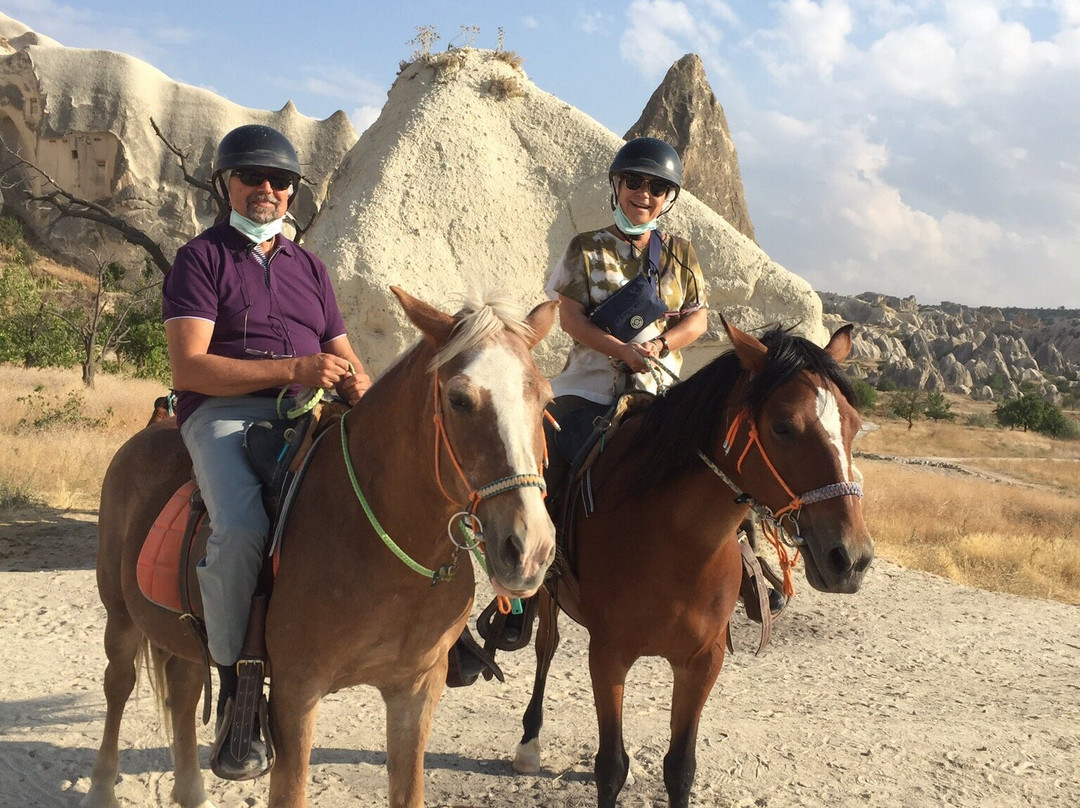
(684, 112)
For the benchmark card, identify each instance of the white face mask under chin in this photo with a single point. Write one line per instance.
(629, 229)
(255, 233)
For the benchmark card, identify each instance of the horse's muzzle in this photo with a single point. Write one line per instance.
(520, 548)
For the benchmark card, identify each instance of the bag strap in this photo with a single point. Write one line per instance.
(654, 259)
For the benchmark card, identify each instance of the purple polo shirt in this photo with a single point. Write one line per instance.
(287, 308)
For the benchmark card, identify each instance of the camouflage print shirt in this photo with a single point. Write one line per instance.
(595, 265)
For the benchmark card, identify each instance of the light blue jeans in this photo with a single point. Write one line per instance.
(214, 436)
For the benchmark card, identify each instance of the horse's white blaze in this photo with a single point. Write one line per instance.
(498, 370)
(829, 416)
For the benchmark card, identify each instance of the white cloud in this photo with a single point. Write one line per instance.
(340, 83)
(530, 22)
(590, 22)
(916, 62)
(817, 33)
(363, 117)
(661, 31)
(174, 35)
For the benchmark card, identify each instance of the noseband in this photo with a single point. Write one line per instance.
(773, 522)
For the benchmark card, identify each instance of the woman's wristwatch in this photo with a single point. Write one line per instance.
(664, 349)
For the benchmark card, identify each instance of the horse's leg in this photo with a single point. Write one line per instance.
(122, 641)
(608, 681)
(527, 755)
(293, 710)
(409, 712)
(185, 681)
(692, 686)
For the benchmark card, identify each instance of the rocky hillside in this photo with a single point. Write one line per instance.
(987, 353)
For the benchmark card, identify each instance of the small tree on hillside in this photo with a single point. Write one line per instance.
(101, 322)
(908, 404)
(937, 408)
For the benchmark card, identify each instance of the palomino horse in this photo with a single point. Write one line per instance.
(658, 562)
(345, 609)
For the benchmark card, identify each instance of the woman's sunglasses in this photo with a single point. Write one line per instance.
(254, 179)
(633, 182)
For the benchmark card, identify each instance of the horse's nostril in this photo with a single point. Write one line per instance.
(513, 551)
(840, 560)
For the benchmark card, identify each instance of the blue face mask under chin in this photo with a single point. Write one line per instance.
(255, 233)
(629, 229)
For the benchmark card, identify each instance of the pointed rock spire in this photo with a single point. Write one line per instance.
(684, 112)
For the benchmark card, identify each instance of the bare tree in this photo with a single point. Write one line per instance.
(99, 336)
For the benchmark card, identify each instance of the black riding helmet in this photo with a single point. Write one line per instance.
(256, 146)
(648, 155)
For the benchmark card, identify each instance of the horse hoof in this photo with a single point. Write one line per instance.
(527, 757)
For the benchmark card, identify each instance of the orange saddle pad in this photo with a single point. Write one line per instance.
(158, 570)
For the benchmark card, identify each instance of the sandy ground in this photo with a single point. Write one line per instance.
(914, 692)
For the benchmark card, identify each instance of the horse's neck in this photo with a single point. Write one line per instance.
(392, 433)
(697, 507)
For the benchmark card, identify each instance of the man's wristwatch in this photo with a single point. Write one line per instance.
(665, 350)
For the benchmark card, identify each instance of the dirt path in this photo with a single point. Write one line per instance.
(914, 692)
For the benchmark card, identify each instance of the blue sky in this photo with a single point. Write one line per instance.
(926, 147)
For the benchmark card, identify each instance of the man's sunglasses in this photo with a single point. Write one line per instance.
(254, 179)
(633, 182)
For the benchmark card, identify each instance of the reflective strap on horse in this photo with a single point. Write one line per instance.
(389, 542)
(504, 485)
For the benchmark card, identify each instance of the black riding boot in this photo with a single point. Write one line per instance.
(240, 750)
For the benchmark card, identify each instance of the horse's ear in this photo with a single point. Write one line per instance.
(840, 345)
(540, 321)
(751, 351)
(435, 325)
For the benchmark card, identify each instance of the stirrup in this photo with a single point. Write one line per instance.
(244, 747)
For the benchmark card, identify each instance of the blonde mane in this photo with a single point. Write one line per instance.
(480, 316)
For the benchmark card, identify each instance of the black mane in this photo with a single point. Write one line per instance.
(687, 417)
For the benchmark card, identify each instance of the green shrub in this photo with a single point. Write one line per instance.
(866, 397)
(937, 408)
(57, 412)
(886, 385)
(979, 419)
(1029, 412)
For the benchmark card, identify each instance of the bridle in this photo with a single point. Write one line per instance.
(469, 527)
(773, 522)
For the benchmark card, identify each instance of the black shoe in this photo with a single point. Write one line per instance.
(228, 759)
(777, 601)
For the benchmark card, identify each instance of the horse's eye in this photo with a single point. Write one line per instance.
(461, 402)
(783, 428)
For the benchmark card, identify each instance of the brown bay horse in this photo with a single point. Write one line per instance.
(467, 399)
(658, 565)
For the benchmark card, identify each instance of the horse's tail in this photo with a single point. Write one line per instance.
(153, 660)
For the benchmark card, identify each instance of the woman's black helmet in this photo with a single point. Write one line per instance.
(256, 146)
(648, 155)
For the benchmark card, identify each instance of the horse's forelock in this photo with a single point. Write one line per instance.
(480, 317)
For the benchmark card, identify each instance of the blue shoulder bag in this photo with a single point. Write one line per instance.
(626, 312)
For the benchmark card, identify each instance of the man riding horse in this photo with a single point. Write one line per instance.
(247, 312)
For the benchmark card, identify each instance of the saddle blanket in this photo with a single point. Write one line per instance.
(158, 570)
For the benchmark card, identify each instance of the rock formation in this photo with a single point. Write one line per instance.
(83, 117)
(982, 352)
(684, 112)
(472, 176)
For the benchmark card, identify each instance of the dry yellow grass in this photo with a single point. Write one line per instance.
(62, 466)
(1018, 534)
(1019, 538)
